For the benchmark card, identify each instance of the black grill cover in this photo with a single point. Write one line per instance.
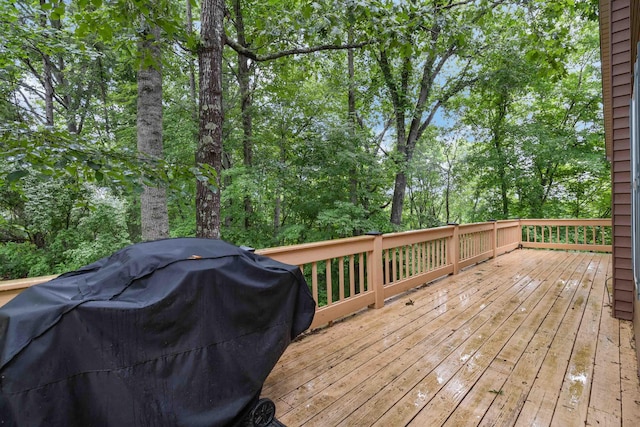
(171, 332)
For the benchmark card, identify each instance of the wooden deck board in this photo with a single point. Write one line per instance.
(405, 325)
(462, 319)
(573, 402)
(377, 323)
(630, 389)
(495, 342)
(518, 362)
(543, 396)
(508, 342)
(605, 404)
(507, 406)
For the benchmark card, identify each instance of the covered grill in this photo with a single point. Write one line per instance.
(171, 332)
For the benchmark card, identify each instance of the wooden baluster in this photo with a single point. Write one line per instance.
(341, 279)
(394, 265)
(314, 281)
(375, 271)
(328, 282)
(363, 286)
(352, 276)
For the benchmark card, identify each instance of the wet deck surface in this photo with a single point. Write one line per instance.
(525, 339)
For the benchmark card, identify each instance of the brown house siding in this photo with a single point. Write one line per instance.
(619, 36)
(620, 63)
(635, 38)
(635, 26)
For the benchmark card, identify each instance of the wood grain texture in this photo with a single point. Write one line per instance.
(524, 339)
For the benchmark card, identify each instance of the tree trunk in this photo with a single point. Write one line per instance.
(353, 172)
(276, 216)
(153, 200)
(48, 90)
(497, 131)
(209, 150)
(277, 212)
(63, 86)
(397, 202)
(103, 95)
(446, 198)
(504, 194)
(192, 72)
(47, 76)
(244, 80)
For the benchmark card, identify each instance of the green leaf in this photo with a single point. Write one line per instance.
(106, 32)
(16, 175)
(82, 29)
(307, 11)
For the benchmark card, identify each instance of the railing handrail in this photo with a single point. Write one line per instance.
(567, 221)
(365, 270)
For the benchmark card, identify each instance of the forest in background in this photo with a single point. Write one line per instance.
(277, 122)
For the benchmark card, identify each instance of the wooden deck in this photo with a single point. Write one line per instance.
(525, 339)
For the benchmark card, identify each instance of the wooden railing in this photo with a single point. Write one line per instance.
(11, 288)
(567, 234)
(349, 275)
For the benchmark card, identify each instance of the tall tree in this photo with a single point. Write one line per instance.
(425, 62)
(47, 73)
(489, 114)
(244, 80)
(209, 152)
(192, 72)
(153, 200)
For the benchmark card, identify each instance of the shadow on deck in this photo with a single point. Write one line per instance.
(523, 339)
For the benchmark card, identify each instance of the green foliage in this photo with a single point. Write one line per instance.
(20, 260)
(537, 134)
(516, 127)
(60, 226)
(98, 235)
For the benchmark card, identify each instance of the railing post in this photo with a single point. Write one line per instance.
(494, 238)
(453, 248)
(375, 270)
(520, 233)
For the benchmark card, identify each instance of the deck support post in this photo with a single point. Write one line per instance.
(494, 238)
(374, 270)
(453, 248)
(520, 232)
